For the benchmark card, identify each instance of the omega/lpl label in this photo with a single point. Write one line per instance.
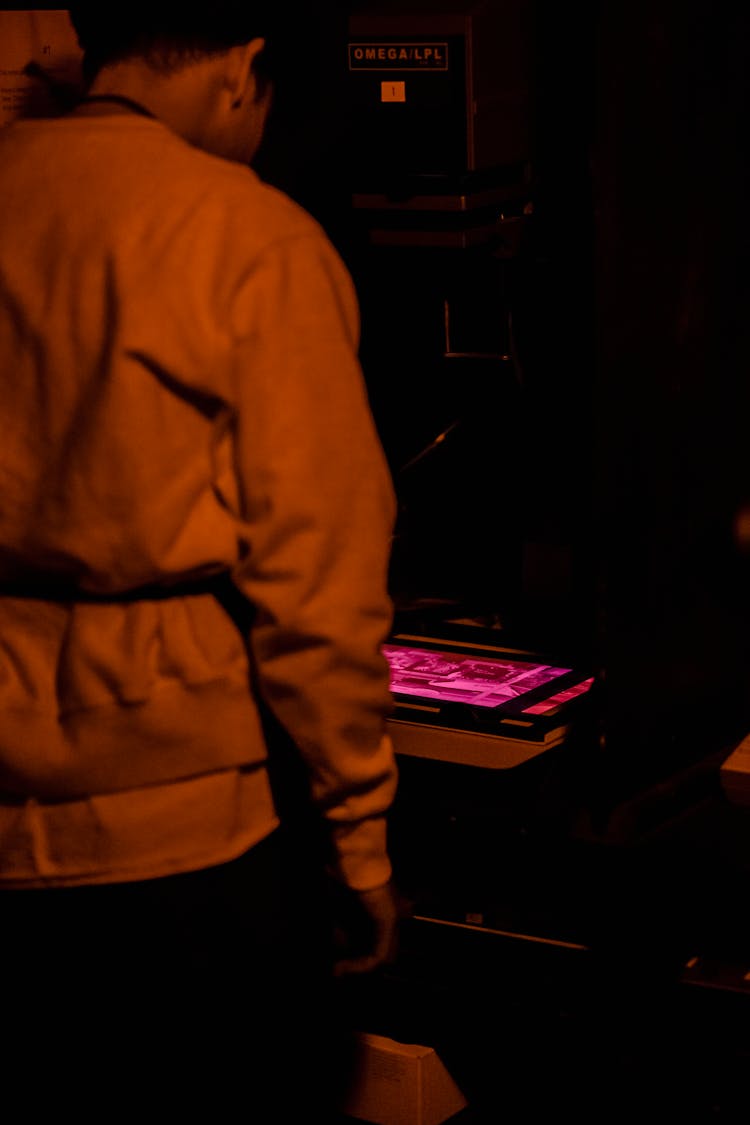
(398, 56)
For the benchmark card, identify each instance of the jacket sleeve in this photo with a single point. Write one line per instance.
(317, 510)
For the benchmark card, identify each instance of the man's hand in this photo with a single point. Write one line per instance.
(368, 934)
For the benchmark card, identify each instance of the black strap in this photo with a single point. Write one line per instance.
(56, 589)
(118, 99)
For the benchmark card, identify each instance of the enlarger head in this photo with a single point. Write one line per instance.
(440, 118)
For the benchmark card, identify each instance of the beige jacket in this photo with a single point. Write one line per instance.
(180, 398)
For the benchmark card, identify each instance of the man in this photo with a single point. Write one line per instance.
(195, 523)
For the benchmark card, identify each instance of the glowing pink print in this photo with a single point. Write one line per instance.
(482, 681)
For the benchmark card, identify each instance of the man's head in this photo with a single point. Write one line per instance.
(206, 71)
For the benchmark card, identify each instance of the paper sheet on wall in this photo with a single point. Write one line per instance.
(40, 64)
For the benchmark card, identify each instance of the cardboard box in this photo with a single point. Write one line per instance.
(735, 773)
(402, 1084)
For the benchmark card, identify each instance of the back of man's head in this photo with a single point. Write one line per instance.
(167, 36)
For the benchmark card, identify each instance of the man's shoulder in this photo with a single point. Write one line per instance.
(243, 197)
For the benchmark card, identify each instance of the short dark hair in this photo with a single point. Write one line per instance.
(169, 36)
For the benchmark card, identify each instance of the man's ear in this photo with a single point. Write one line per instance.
(241, 77)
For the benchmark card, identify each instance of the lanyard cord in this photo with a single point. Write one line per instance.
(118, 99)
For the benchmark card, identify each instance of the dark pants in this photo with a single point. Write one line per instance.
(207, 993)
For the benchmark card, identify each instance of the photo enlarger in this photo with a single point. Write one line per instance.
(439, 149)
